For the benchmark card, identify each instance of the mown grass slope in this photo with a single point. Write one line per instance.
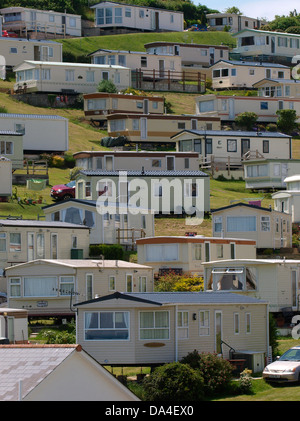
(135, 42)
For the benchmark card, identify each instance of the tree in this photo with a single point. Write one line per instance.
(246, 120)
(235, 10)
(286, 121)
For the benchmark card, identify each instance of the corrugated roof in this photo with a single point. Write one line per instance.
(232, 133)
(166, 298)
(36, 116)
(68, 64)
(134, 173)
(39, 224)
(29, 364)
(250, 63)
(85, 263)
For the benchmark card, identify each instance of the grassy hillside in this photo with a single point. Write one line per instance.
(79, 47)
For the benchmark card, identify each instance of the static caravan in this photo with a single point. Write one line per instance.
(50, 287)
(98, 105)
(164, 192)
(279, 47)
(185, 254)
(15, 50)
(288, 200)
(227, 108)
(150, 128)
(230, 148)
(228, 74)
(159, 66)
(115, 228)
(269, 174)
(137, 160)
(23, 240)
(192, 55)
(67, 78)
(158, 328)
(40, 23)
(110, 15)
(234, 22)
(269, 228)
(273, 280)
(11, 147)
(14, 325)
(278, 88)
(29, 127)
(6, 178)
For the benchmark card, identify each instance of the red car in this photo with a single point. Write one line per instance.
(9, 34)
(63, 191)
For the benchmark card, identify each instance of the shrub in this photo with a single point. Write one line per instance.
(110, 252)
(192, 359)
(53, 337)
(245, 382)
(171, 281)
(74, 172)
(107, 86)
(174, 382)
(215, 371)
(69, 160)
(58, 161)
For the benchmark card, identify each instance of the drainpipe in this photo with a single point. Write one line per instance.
(175, 334)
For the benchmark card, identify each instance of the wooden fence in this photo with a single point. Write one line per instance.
(169, 80)
(129, 235)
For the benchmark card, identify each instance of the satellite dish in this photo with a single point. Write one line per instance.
(2, 68)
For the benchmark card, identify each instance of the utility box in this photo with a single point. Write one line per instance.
(76, 253)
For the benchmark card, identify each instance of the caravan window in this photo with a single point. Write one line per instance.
(229, 279)
(106, 325)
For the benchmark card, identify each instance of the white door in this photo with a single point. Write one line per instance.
(231, 109)
(109, 163)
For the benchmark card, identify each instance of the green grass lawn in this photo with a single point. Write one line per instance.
(135, 42)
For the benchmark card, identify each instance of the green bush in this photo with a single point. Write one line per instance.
(69, 160)
(107, 86)
(174, 382)
(192, 359)
(216, 372)
(110, 252)
(245, 382)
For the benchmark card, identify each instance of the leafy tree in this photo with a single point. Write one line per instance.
(246, 120)
(286, 121)
(174, 382)
(234, 10)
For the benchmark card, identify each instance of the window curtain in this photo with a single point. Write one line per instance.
(72, 215)
(241, 223)
(40, 287)
(154, 325)
(160, 253)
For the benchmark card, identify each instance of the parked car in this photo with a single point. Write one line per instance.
(63, 191)
(286, 368)
(9, 34)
